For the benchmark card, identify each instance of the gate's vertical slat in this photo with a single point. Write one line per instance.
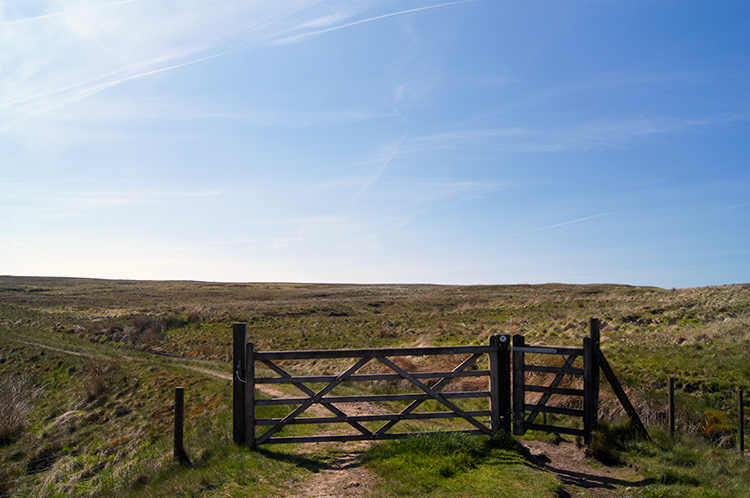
(494, 358)
(250, 395)
(239, 332)
(587, 402)
(519, 380)
(595, 327)
(504, 382)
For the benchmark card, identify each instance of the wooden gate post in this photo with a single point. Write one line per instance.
(250, 395)
(500, 411)
(239, 331)
(519, 380)
(591, 380)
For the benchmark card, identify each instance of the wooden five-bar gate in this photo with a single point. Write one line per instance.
(502, 415)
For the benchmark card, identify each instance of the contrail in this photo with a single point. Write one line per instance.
(561, 224)
(56, 14)
(37, 250)
(295, 38)
(85, 92)
(727, 209)
(382, 169)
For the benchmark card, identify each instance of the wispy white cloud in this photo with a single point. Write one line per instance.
(602, 133)
(64, 13)
(67, 54)
(283, 242)
(298, 221)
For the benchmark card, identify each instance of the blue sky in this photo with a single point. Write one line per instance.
(466, 142)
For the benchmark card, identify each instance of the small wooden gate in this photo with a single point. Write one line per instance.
(429, 384)
(525, 414)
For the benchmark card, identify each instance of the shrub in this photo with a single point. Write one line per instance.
(16, 397)
(98, 377)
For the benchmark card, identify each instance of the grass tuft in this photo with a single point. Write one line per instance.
(17, 394)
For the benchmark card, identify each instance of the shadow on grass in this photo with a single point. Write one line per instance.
(591, 481)
(313, 464)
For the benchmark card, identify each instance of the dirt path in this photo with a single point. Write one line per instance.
(343, 476)
(582, 475)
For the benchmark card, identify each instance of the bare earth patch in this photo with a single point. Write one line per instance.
(343, 476)
(582, 475)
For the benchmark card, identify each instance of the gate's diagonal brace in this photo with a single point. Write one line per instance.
(555, 382)
(437, 387)
(302, 387)
(313, 399)
(434, 394)
(620, 392)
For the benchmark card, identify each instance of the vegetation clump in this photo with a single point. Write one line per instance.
(17, 393)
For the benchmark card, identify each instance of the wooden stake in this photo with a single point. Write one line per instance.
(179, 425)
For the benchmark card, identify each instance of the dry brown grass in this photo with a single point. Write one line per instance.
(17, 394)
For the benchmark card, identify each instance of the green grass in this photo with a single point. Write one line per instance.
(457, 465)
(688, 467)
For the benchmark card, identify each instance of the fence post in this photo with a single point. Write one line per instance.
(239, 331)
(671, 406)
(519, 380)
(179, 425)
(591, 380)
(250, 395)
(500, 411)
(742, 425)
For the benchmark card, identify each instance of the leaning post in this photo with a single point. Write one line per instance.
(239, 331)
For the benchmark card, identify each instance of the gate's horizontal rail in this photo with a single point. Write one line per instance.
(554, 390)
(554, 370)
(370, 377)
(548, 350)
(552, 428)
(371, 353)
(553, 409)
(374, 418)
(371, 398)
(353, 437)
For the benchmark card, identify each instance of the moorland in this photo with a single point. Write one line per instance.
(89, 369)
